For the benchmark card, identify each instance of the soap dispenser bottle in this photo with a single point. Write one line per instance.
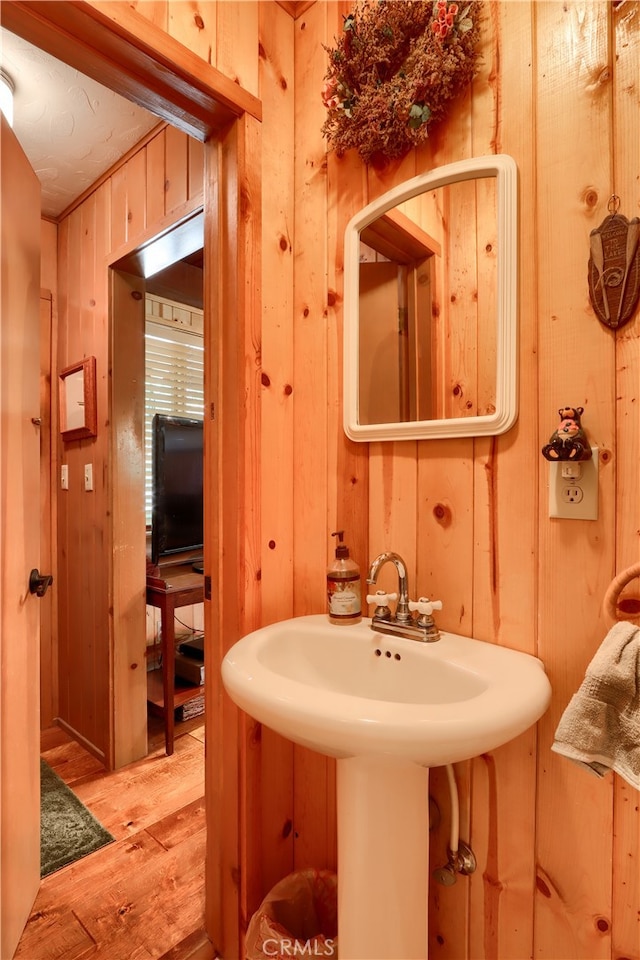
(344, 605)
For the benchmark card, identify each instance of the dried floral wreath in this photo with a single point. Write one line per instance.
(393, 70)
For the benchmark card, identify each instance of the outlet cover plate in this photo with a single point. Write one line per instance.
(587, 507)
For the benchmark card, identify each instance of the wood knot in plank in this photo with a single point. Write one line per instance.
(590, 198)
(443, 515)
(256, 733)
(493, 882)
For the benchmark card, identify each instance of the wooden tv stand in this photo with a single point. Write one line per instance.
(176, 586)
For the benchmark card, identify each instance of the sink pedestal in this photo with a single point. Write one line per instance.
(383, 858)
(382, 717)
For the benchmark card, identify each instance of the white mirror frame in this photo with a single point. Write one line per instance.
(504, 169)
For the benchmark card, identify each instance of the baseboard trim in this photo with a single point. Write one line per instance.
(91, 747)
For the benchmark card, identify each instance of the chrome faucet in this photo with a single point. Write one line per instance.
(402, 609)
(401, 623)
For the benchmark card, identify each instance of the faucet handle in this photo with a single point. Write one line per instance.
(424, 606)
(381, 599)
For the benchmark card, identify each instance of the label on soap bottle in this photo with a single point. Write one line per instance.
(344, 602)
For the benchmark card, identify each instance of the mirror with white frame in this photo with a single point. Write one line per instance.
(430, 306)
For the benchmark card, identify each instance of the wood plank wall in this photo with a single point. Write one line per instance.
(557, 89)
(558, 850)
(161, 179)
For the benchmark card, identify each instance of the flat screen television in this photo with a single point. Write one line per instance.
(177, 483)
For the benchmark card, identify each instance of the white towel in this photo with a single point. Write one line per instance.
(600, 728)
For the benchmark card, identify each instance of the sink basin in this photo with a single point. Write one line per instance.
(349, 691)
(388, 709)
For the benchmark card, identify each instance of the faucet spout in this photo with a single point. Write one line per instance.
(402, 623)
(403, 615)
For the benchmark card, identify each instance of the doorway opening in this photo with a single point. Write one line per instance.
(157, 409)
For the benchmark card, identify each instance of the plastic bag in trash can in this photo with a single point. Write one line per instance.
(297, 918)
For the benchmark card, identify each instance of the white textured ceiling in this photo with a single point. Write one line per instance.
(71, 128)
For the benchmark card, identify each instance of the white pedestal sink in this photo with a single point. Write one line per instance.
(383, 857)
(387, 708)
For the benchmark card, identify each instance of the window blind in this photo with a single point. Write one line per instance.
(174, 383)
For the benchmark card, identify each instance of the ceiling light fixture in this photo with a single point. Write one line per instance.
(6, 96)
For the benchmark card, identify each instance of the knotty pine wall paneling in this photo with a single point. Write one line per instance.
(313, 515)
(128, 196)
(624, 67)
(471, 516)
(195, 26)
(222, 33)
(277, 400)
(348, 462)
(232, 523)
(155, 176)
(154, 10)
(246, 295)
(126, 479)
(176, 168)
(236, 42)
(82, 595)
(574, 881)
(502, 787)
(119, 214)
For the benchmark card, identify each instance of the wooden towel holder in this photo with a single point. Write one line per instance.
(629, 609)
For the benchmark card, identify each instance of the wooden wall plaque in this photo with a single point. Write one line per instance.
(614, 269)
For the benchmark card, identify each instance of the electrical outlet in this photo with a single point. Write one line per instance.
(573, 492)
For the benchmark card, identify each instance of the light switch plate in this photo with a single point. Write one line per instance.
(574, 498)
(64, 476)
(88, 477)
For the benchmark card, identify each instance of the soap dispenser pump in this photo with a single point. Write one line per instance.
(344, 604)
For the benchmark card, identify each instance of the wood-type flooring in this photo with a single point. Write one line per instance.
(141, 897)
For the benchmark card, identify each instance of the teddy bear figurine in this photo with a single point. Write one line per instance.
(568, 441)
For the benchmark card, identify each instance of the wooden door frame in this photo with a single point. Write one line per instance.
(48, 477)
(114, 45)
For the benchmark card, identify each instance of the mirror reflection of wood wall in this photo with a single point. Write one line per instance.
(74, 387)
(427, 306)
(381, 343)
(78, 410)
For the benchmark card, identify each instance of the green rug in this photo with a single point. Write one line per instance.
(68, 831)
